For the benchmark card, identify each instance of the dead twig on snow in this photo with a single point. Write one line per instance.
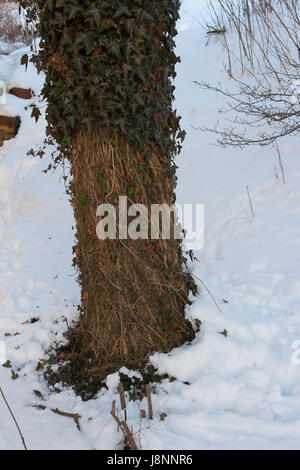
(13, 417)
(124, 428)
(149, 400)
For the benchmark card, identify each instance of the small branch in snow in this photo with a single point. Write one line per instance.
(74, 416)
(215, 302)
(124, 428)
(13, 417)
(149, 400)
(122, 400)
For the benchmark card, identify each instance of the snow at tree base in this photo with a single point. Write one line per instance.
(236, 385)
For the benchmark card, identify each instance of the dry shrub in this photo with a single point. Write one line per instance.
(13, 33)
(264, 95)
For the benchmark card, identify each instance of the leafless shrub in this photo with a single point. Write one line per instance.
(14, 32)
(263, 102)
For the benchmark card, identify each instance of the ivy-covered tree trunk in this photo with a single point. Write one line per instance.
(109, 67)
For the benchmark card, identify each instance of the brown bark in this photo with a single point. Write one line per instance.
(134, 292)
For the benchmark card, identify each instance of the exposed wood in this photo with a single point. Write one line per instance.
(129, 436)
(124, 428)
(122, 396)
(9, 122)
(149, 400)
(24, 94)
(122, 399)
(9, 127)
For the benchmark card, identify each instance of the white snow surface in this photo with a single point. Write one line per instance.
(236, 392)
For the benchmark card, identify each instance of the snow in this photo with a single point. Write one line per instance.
(234, 391)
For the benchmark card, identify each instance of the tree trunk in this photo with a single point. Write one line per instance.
(108, 84)
(134, 292)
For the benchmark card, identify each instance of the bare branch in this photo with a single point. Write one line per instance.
(13, 417)
(266, 97)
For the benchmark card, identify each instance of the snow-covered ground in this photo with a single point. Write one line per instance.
(232, 392)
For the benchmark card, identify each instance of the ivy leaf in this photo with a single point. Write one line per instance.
(122, 11)
(144, 15)
(36, 113)
(89, 41)
(7, 364)
(71, 11)
(115, 50)
(79, 38)
(94, 14)
(24, 61)
(181, 135)
(39, 394)
(224, 333)
(14, 375)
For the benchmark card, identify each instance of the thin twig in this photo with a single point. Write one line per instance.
(216, 30)
(280, 162)
(74, 416)
(250, 202)
(13, 417)
(214, 300)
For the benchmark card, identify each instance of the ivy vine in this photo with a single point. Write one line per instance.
(109, 63)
